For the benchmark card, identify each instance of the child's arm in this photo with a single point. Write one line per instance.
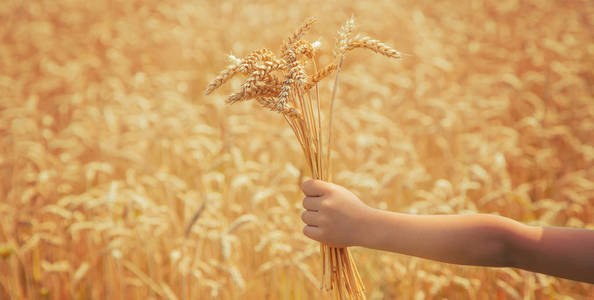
(338, 218)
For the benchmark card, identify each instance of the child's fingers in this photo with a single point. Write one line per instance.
(312, 232)
(311, 203)
(313, 188)
(310, 217)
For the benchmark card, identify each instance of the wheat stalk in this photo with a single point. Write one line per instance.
(282, 85)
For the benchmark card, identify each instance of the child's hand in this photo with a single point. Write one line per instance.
(334, 216)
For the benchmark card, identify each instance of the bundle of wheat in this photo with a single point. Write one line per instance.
(282, 84)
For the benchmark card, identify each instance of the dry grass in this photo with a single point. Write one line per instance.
(109, 150)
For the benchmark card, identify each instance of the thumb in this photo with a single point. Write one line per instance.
(315, 188)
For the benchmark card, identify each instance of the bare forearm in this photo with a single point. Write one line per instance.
(484, 240)
(460, 239)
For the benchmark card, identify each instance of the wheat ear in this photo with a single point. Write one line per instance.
(223, 77)
(327, 70)
(342, 38)
(373, 45)
(297, 34)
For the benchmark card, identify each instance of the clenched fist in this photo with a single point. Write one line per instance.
(334, 215)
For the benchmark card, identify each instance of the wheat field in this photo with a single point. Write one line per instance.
(120, 179)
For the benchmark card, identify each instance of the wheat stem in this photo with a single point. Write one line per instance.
(332, 100)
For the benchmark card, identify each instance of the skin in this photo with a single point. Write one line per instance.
(336, 217)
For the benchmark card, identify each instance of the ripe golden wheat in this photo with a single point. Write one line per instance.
(301, 107)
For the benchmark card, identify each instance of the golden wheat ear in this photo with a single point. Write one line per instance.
(253, 92)
(225, 75)
(297, 34)
(343, 36)
(373, 45)
(321, 74)
(304, 48)
(247, 65)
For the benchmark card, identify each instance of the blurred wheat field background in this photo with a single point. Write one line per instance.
(119, 179)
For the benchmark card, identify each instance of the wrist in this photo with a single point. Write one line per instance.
(373, 229)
